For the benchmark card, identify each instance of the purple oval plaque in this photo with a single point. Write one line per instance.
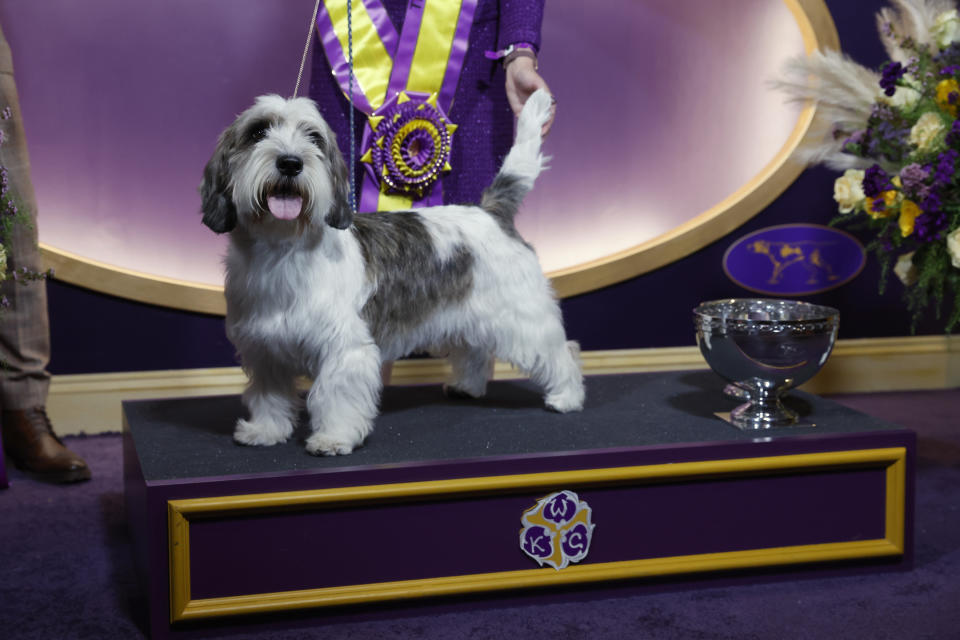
(794, 259)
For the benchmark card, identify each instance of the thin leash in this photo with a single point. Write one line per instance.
(296, 88)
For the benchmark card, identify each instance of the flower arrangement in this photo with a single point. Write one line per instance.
(895, 134)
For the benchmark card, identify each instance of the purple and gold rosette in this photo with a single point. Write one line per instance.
(406, 144)
(405, 83)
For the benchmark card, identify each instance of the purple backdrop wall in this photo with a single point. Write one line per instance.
(682, 67)
(93, 332)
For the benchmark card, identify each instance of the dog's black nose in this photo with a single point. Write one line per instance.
(289, 165)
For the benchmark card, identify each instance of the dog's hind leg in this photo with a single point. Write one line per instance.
(343, 400)
(553, 363)
(472, 369)
(559, 373)
(273, 404)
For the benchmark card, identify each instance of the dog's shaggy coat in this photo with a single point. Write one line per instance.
(312, 290)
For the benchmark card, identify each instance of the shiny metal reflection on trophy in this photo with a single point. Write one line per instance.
(763, 348)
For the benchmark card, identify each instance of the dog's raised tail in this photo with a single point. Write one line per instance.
(524, 162)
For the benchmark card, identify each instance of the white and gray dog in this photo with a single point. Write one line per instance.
(312, 290)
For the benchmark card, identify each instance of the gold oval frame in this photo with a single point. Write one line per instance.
(818, 31)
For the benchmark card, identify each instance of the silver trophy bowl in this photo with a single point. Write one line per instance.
(763, 348)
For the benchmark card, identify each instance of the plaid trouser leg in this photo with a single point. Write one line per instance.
(24, 325)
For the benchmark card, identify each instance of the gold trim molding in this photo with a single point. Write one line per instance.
(90, 402)
(818, 32)
(180, 513)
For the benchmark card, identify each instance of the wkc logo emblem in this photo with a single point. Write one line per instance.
(794, 259)
(557, 530)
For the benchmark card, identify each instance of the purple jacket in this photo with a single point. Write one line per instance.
(480, 108)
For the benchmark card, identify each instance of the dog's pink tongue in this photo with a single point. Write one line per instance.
(284, 208)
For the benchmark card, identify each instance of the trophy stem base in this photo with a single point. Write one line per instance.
(763, 412)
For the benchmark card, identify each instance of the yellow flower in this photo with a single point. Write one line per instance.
(908, 214)
(889, 198)
(944, 89)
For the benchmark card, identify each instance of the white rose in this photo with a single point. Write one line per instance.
(928, 131)
(904, 98)
(848, 190)
(946, 28)
(906, 270)
(953, 247)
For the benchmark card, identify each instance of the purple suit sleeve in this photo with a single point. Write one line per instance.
(520, 22)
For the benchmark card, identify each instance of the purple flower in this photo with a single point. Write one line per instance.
(929, 224)
(913, 176)
(875, 182)
(949, 56)
(953, 136)
(922, 192)
(946, 162)
(881, 112)
(931, 203)
(855, 138)
(891, 73)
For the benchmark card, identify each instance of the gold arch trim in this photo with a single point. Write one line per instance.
(818, 31)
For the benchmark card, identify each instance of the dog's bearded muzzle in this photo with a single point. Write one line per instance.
(283, 197)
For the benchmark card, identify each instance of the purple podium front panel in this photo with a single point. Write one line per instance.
(344, 533)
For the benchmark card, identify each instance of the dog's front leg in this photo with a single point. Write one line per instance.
(343, 400)
(272, 401)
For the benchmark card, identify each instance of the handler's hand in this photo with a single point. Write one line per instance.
(522, 81)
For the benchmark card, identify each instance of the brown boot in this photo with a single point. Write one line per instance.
(28, 438)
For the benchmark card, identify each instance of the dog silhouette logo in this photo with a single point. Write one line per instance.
(795, 259)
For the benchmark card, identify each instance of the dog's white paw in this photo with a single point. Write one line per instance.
(567, 401)
(259, 435)
(323, 444)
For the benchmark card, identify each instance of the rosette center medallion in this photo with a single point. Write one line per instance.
(406, 144)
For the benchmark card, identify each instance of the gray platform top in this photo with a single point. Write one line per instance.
(191, 437)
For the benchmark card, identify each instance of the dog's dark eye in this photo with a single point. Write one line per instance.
(258, 131)
(317, 139)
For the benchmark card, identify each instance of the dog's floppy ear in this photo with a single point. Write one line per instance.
(340, 215)
(219, 211)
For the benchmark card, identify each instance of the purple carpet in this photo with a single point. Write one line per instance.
(67, 569)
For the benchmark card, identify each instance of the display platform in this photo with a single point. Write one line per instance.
(433, 504)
